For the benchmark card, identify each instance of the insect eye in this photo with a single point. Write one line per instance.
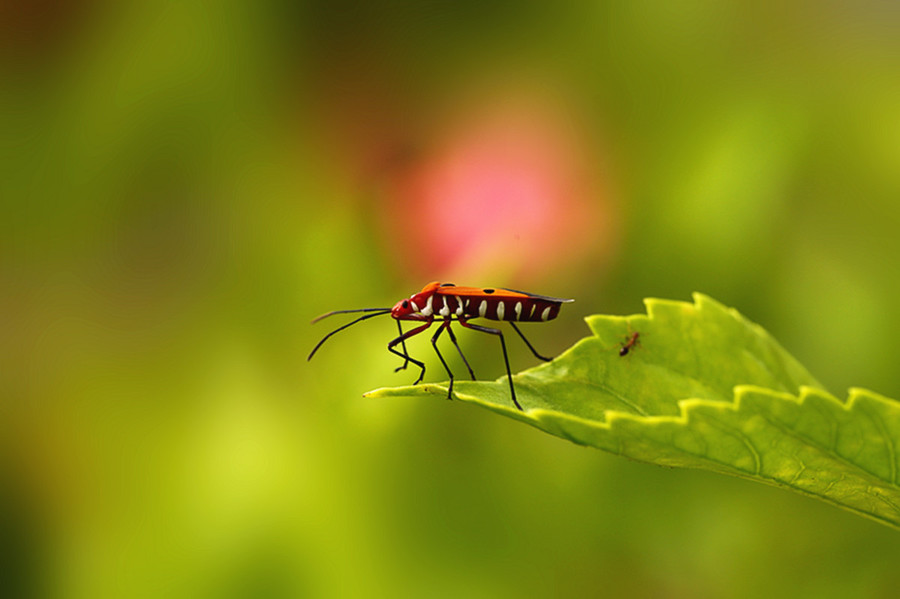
(405, 304)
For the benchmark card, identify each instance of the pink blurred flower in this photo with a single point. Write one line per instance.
(505, 191)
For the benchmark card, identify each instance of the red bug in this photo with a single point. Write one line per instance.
(448, 303)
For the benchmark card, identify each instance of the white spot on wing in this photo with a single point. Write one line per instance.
(459, 307)
(428, 310)
(518, 310)
(501, 309)
(445, 311)
(414, 306)
(482, 308)
(546, 313)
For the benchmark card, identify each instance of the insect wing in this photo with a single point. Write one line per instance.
(481, 292)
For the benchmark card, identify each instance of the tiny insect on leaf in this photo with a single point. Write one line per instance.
(629, 344)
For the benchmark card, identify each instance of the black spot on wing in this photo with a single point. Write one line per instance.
(489, 290)
(546, 298)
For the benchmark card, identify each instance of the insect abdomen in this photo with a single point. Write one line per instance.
(525, 309)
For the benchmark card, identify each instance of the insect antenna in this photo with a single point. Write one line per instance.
(333, 312)
(375, 312)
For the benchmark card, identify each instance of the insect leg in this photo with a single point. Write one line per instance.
(466, 362)
(405, 353)
(531, 347)
(434, 338)
(512, 388)
(406, 356)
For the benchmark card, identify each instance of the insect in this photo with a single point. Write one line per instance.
(631, 342)
(447, 303)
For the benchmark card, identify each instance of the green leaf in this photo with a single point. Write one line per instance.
(705, 388)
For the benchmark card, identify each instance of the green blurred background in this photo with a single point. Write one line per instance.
(185, 185)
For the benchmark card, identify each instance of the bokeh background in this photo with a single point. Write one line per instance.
(185, 185)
